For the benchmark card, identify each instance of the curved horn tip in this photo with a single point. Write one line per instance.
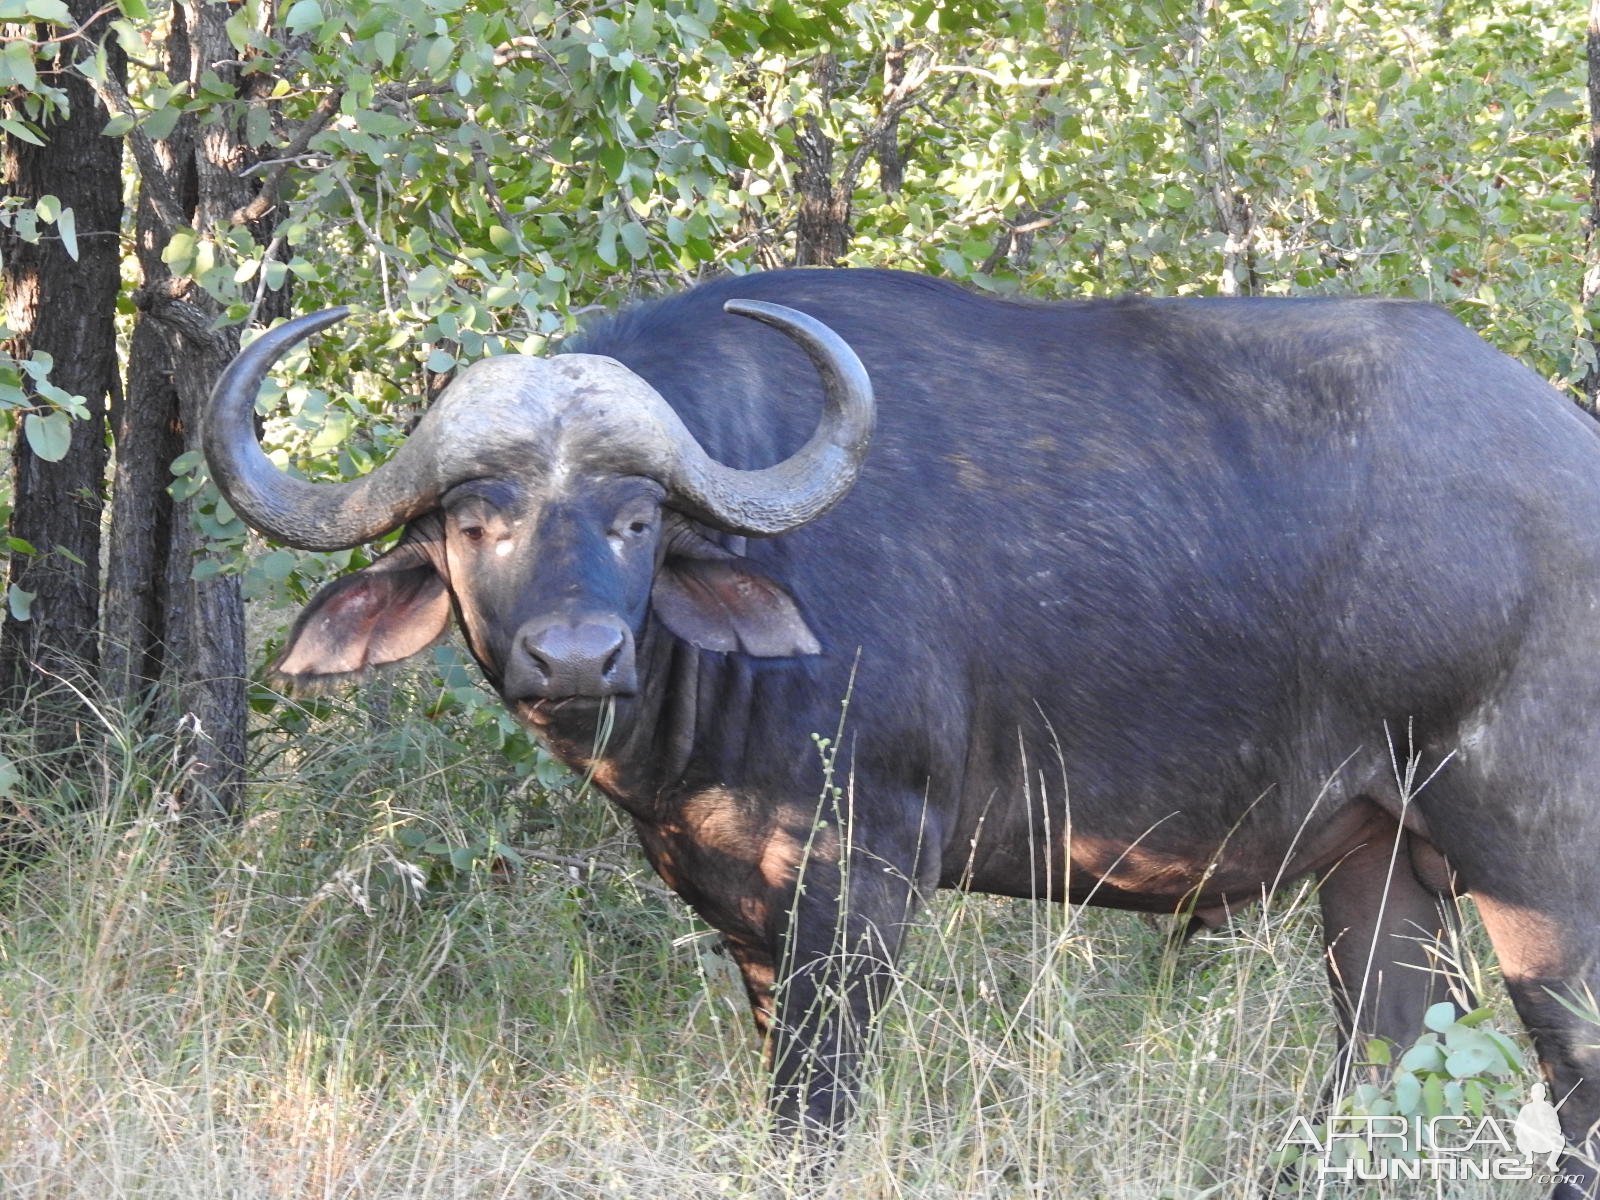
(763, 310)
(800, 326)
(277, 340)
(312, 322)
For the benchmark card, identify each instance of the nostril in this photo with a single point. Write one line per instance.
(532, 649)
(609, 667)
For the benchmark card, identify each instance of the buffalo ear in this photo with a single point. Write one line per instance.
(397, 607)
(723, 604)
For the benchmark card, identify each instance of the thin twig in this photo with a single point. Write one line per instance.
(261, 282)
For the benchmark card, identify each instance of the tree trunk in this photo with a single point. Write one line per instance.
(167, 624)
(64, 306)
(890, 153)
(147, 430)
(148, 438)
(822, 226)
(204, 618)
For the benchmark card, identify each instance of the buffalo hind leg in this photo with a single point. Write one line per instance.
(1384, 929)
(1547, 961)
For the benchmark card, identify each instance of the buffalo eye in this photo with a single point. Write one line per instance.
(473, 533)
(627, 531)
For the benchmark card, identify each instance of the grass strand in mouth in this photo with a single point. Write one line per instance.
(605, 725)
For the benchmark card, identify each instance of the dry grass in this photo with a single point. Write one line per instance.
(272, 1010)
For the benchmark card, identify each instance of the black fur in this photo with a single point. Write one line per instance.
(1179, 584)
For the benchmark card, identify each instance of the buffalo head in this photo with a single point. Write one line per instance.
(553, 503)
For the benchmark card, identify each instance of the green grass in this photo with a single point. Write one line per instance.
(275, 1009)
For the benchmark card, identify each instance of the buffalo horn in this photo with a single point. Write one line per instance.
(816, 477)
(625, 422)
(312, 516)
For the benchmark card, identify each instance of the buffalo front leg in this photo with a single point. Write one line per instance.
(1384, 930)
(838, 949)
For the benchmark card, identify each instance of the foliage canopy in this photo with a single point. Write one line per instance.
(475, 177)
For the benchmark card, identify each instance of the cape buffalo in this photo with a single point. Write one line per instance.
(1145, 603)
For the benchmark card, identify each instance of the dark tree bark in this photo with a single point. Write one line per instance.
(146, 427)
(890, 153)
(63, 306)
(148, 438)
(822, 225)
(204, 619)
(167, 625)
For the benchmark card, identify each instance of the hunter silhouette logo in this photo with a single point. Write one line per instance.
(1538, 1129)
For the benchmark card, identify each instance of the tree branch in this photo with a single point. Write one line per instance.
(167, 301)
(896, 100)
(153, 175)
(261, 205)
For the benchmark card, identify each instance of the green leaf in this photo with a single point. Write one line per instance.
(179, 251)
(21, 131)
(20, 602)
(277, 565)
(17, 66)
(162, 121)
(1440, 1016)
(1424, 1058)
(9, 776)
(606, 247)
(426, 286)
(1433, 1102)
(187, 462)
(614, 160)
(49, 435)
(51, 12)
(440, 51)
(1407, 1093)
(303, 15)
(641, 26)
(635, 240)
(134, 10)
(1476, 1017)
(1470, 1060)
(67, 227)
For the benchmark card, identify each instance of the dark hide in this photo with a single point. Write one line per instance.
(1148, 603)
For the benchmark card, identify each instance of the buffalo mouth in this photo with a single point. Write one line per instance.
(542, 711)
